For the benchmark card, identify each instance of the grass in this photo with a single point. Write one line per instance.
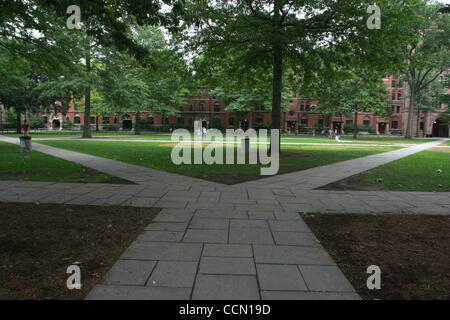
(411, 251)
(39, 242)
(38, 166)
(284, 138)
(157, 156)
(424, 171)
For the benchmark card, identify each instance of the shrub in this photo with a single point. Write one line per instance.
(111, 127)
(36, 123)
(68, 125)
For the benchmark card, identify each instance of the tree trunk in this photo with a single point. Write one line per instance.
(96, 124)
(19, 124)
(425, 121)
(137, 124)
(277, 88)
(355, 126)
(418, 123)
(411, 114)
(87, 102)
(250, 119)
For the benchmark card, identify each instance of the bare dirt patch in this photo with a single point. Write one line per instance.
(411, 251)
(39, 242)
(355, 183)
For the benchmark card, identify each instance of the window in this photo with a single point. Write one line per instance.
(165, 120)
(116, 120)
(394, 124)
(150, 120)
(304, 122)
(191, 107)
(302, 107)
(92, 120)
(394, 84)
(398, 109)
(399, 96)
(216, 107)
(231, 121)
(393, 96)
(202, 106)
(45, 119)
(400, 84)
(105, 119)
(77, 119)
(366, 122)
(308, 108)
(291, 113)
(180, 120)
(421, 126)
(349, 122)
(320, 122)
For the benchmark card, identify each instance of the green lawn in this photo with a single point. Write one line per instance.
(157, 156)
(423, 171)
(37, 166)
(284, 138)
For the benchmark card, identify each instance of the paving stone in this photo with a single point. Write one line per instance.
(287, 216)
(250, 236)
(171, 236)
(247, 223)
(141, 202)
(225, 287)
(129, 272)
(280, 277)
(227, 265)
(308, 295)
(221, 214)
(209, 206)
(163, 251)
(295, 238)
(206, 235)
(115, 292)
(174, 215)
(170, 204)
(209, 223)
(167, 226)
(325, 278)
(173, 274)
(299, 226)
(261, 215)
(227, 250)
(291, 255)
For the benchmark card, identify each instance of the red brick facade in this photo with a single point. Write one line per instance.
(300, 115)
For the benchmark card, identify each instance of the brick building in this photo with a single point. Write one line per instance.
(300, 115)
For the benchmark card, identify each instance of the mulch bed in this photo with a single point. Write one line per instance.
(412, 252)
(39, 241)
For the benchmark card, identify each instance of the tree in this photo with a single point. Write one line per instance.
(283, 33)
(128, 85)
(427, 56)
(349, 91)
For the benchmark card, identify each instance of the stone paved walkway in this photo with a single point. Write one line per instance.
(212, 241)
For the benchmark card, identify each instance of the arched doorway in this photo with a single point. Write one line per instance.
(441, 128)
(127, 124)
(244, 124)
(56, 124)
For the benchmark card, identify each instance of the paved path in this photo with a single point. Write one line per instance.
(212, 241)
